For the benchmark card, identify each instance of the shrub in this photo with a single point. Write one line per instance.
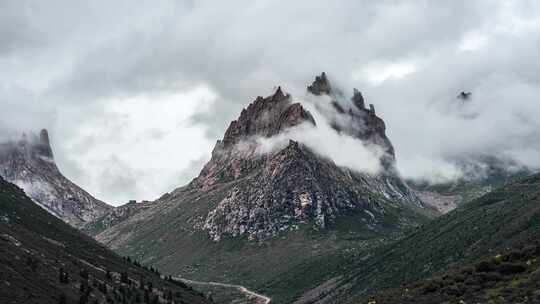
(486, 265)
(511, 268)
(62, 299)
(453, 290)
(429, 287)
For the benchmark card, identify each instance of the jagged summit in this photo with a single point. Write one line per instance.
(29, 163)
(252, 210)
(44, 144)
(358, 100)
(261, 194)
(236, 154)
(320, 86)
(356, 120)
(266, 117)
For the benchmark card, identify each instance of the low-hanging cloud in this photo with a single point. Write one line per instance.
(64, 63)
(342, 149)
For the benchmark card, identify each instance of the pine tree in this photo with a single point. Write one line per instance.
(63, 276)
(62, 299)
(124, 278)
(146, 296)
(84, 274)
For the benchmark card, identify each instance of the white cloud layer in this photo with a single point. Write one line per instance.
(344, 150)
(135, 94)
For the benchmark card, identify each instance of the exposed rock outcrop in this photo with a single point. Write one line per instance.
(29, 163)
(245, 192)
(281, 189)
(355, 119)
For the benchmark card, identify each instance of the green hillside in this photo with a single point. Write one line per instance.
(44, 260)
(513, 277)
(507, 217)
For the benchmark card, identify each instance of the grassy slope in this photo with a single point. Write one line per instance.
(501, 219)
(34, 245)
(169, 242)
(510, 278)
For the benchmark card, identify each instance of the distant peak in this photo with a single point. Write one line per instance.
(279, 93)
(358, 100)
(37, 144)
(44, 137)
(464, 95)
(320, 86)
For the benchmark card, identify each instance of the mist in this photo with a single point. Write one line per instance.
(343, 150)
(135, 95)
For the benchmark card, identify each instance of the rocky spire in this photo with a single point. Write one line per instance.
(43, 147)
(364, 123)
(266, 117)
(30, 164)
(278, 95)
(236, 154)
(44, 137)
(320, 86)
(372, 108)
(358, 100)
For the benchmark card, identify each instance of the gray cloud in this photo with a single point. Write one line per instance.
(64, 65)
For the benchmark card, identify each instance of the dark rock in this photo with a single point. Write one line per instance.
(321, 85)
(29, 163)
(358, 100)
(277, 190)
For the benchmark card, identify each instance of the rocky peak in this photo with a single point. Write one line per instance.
(43, 146)
(261, 194)
(266, 117)
(356, 120)
(358, 100)
(29, 163)
(44, 137)
(236, 154)
(321, 85)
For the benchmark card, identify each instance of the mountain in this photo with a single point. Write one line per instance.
(505, 218)
(266, 203)
(44, 260)
(29, 163)
(480, 175)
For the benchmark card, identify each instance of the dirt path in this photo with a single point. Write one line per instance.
(261, 298)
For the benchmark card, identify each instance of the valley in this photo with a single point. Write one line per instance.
(289, 225)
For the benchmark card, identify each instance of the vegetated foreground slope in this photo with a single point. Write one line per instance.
(251, 216)
(513, 277)
(506, 217)
(44, 260)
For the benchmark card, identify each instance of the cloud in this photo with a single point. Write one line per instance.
(141, 146)
(343, 150)
(64, 65)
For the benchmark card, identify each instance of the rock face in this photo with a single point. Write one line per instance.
(355, 119)
(281, 189)
(236, 154)
(257, 211)
(29, 163)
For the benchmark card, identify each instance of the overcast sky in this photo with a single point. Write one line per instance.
(135, 94)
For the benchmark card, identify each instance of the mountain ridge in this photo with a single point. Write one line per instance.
(326, 188)
(29, 163)
(489, 225)
(252, 215)
(45, 260)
